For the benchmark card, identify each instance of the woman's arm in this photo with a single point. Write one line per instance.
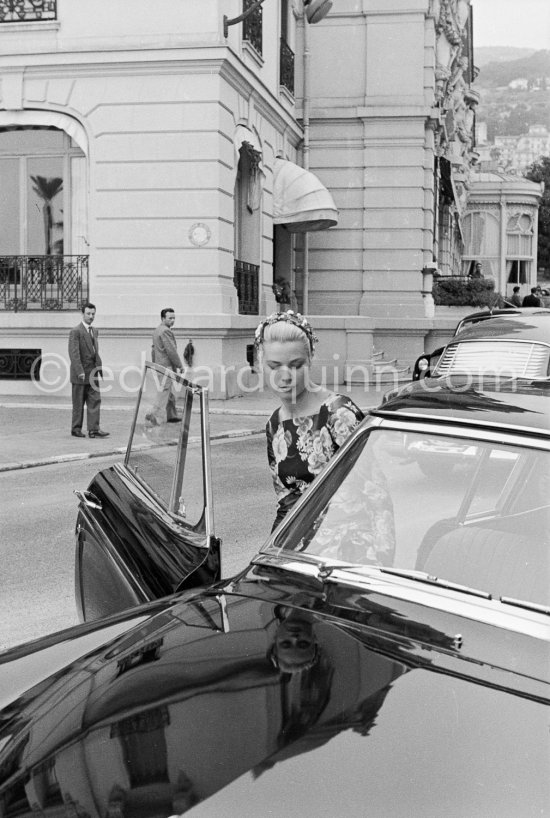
(344, 416)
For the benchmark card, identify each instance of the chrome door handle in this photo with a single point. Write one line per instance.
(88, 499)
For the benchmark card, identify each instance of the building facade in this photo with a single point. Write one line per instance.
(391, 118)
(165, 158)
(137, 160)
(517, 153)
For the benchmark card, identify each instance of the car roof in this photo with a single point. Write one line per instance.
(484, 315)
(474, 402)
(531, 324)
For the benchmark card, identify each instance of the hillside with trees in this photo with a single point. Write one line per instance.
(510, 111)
(500, 53)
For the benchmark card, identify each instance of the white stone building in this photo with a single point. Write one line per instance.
(501, 230)
(137, 159)
(168, 150)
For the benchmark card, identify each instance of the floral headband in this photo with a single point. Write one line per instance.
(291, 317)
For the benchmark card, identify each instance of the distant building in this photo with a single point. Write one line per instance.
(521, 83)
(500, 229)
(518, 152)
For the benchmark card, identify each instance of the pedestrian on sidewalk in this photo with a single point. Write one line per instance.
(312, 422)
(164, 352)
(85, 374)
(516, 297)
(532, 300)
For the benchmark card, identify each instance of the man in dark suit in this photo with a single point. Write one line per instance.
(85, 374)
(533, 299)
(165, 352)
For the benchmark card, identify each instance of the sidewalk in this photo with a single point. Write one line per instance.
(35, 430)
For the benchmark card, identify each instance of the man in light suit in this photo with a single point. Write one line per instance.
(85, 374)
(165, 352)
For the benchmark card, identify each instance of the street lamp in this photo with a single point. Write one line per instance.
(314, 10)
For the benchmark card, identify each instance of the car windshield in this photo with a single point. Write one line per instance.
(468, 511)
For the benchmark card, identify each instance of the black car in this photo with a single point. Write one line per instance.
(490, 330)
(386, 652)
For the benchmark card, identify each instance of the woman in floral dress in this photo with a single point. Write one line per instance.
(312, 422)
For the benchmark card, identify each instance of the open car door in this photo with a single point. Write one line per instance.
(145, 527)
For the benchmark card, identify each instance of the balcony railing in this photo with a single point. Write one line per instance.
(43, 282)
(252, 26)
(286, 66)
(245, 278)
(27, 11)
(20, 364)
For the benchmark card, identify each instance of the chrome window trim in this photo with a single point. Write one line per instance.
(536, 357)
(489, 611)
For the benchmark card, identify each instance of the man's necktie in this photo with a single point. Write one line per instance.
(90, 330)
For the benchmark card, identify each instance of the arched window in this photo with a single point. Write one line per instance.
(519, 234)
(43, 202)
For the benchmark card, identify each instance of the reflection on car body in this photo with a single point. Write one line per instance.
(387, 649)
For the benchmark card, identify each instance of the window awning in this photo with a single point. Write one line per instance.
(300, 200)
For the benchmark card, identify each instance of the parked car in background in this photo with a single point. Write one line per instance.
(492, 342)
(386, 652)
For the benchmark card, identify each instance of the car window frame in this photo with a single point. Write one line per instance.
(381, 423)
(191, 391)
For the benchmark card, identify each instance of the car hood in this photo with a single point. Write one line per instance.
(233, 704)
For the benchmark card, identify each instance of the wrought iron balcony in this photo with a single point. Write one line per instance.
(286, 66)
(245, 278)
(27, 11)
(252, 26)
(43, 282)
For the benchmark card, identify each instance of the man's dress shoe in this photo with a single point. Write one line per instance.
(174, 420)
(98, 433)
(78, 434)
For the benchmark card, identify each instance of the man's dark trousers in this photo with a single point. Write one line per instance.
(85, 394)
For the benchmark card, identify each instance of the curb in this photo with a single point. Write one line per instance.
(67, 458)
(212, 410)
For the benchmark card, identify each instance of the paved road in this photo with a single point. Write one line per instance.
(38, 515)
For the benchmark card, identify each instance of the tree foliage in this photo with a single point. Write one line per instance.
(539, 171)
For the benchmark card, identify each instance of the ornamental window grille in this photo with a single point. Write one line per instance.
(286, 67)
(27, 11)
(246, 279)
(252, 26)
(43, 283)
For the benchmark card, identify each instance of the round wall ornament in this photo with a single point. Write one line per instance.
(199, 234)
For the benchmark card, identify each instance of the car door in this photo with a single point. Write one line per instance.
(145, 526)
